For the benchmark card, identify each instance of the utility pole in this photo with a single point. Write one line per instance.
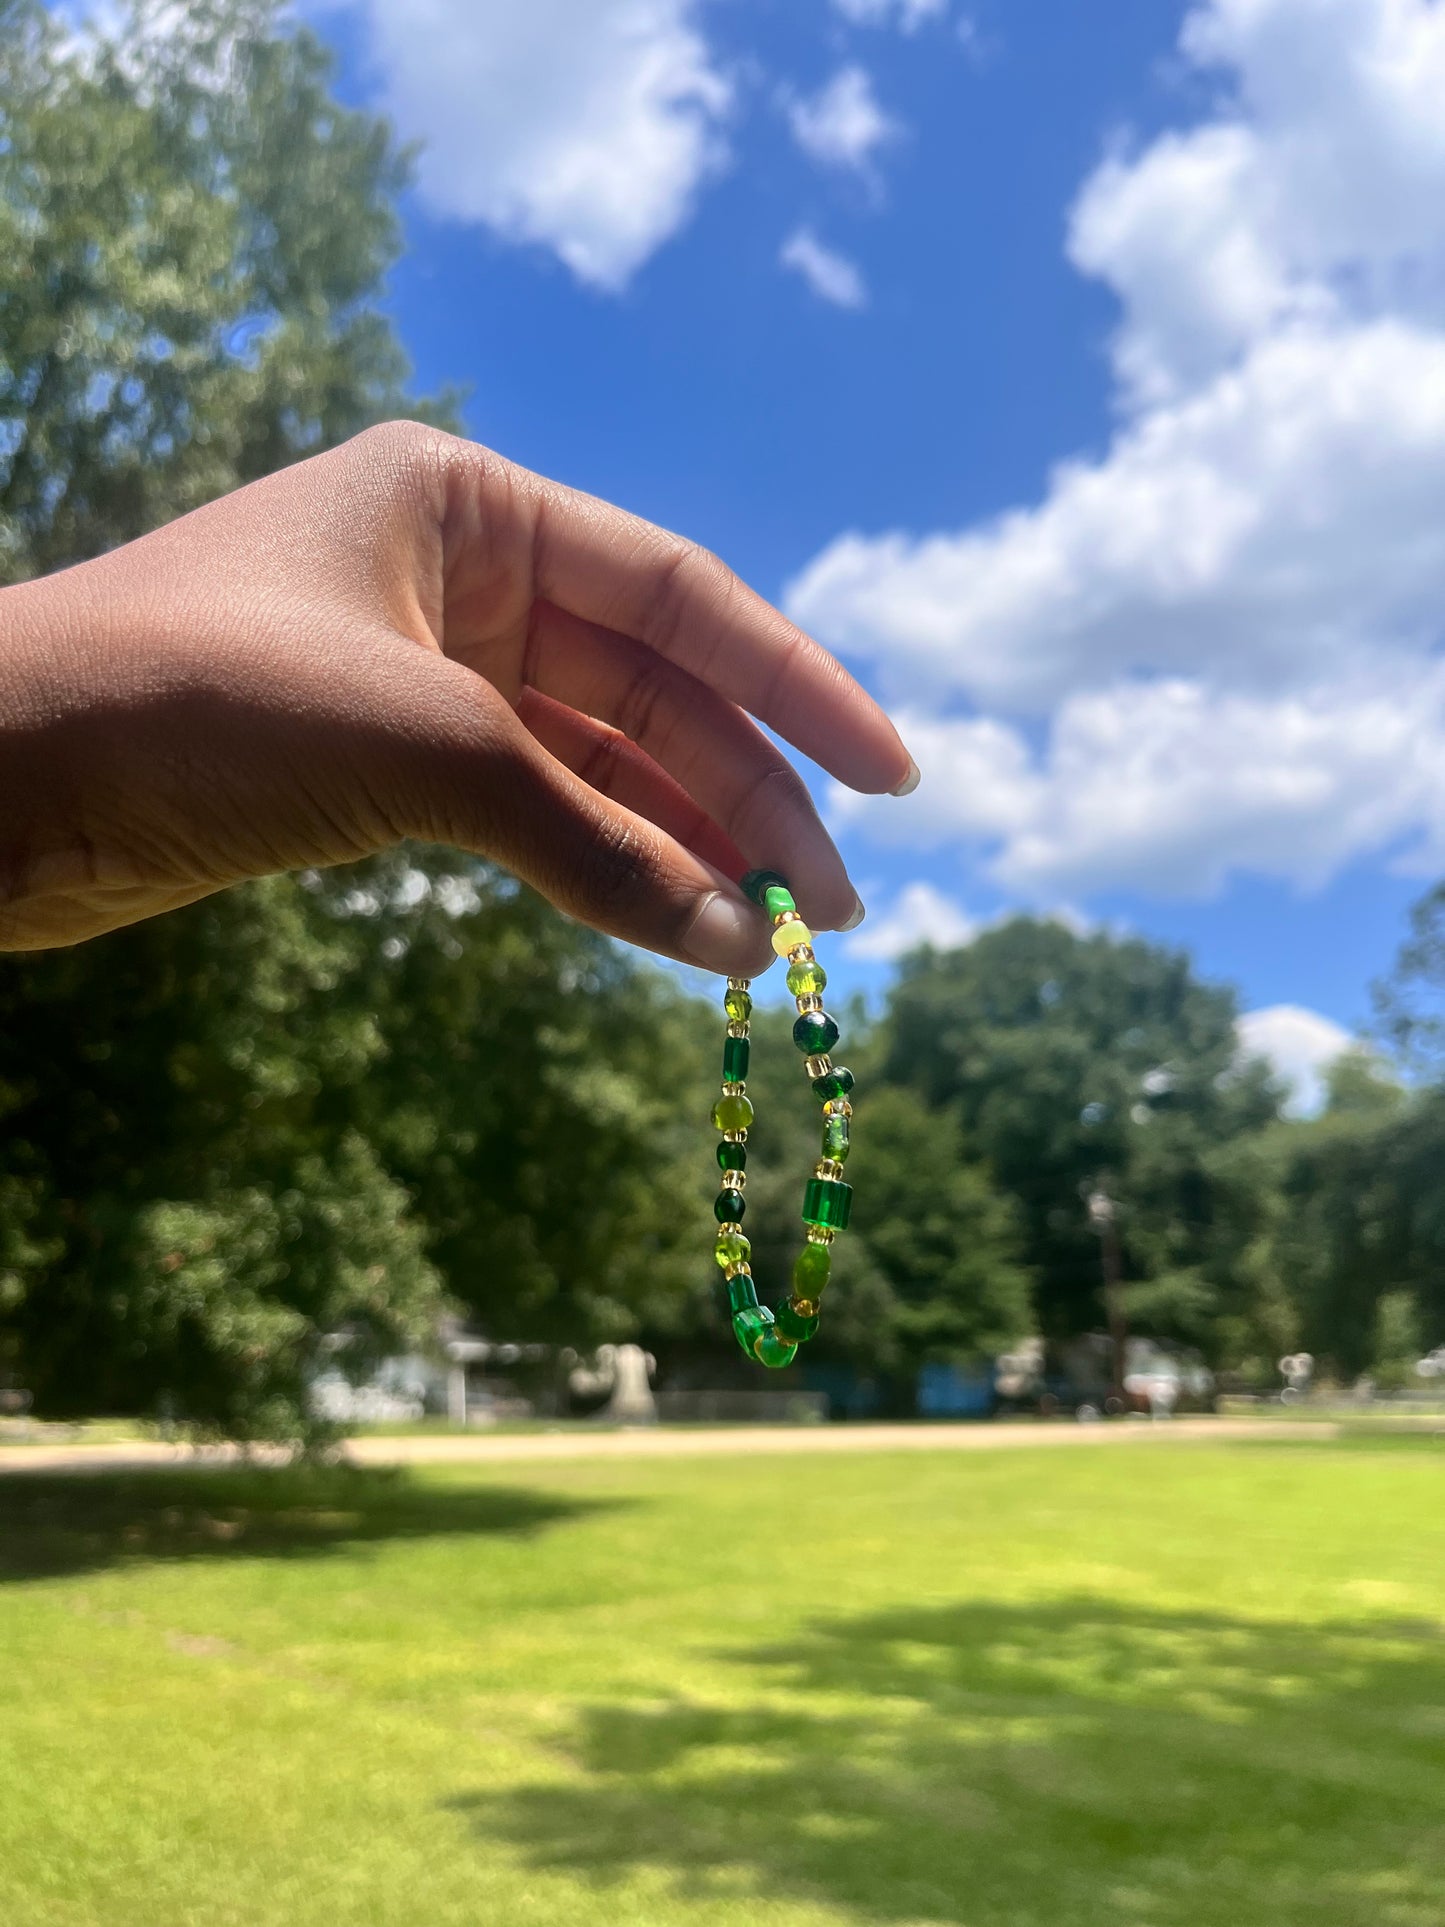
(1102, 1215)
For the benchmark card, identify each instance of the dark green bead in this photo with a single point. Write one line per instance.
(834, 1083)
(792, 1325)
(757, 882)
(734, 1157)
(815, 1033)
(827, 1201)
(728, 1207)
(735, 1060)
(773, 1350)
(738, 1005)
(732, 1112)
(835, 1139)
(749, 1325)
(732, 1248)
(777, 898)
(742, 1293)
(811, 1270)
(807, 979)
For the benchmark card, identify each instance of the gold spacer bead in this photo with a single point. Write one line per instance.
(738, 1271)
(804, 1307)
(809, 1003)
(819, 1066)
(737, 1180)
(734, 1090)
(787, 916)
(827, 1168)
(837, 1107)
(737, 1030)
(735, 1137)
(802, 953)
(740, 983)
(820, 1234)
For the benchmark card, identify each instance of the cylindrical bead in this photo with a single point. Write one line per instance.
(828, 1202)
(742, 1292)
(778, 898)
(835, 1138)
(735, 1059)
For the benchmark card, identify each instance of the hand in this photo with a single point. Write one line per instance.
(409, 637)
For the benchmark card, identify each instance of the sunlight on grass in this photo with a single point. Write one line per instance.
(1196, 1686)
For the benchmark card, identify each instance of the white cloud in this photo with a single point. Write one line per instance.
(907, 14)
(1214, 648)
(1299, 1045)
(584, 126)
(831, 276)
(919, 914)
(842, 125)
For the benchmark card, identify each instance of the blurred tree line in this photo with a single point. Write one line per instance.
(324, 1110)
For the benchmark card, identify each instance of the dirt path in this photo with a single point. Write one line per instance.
(691, 1442)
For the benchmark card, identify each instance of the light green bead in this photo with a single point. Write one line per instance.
(738, 1005)
(788, 936)
(732, 1248)
(732, 1112)
(807, 979)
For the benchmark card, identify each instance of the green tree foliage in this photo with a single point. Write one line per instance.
(1072, 1062)
(193, 233)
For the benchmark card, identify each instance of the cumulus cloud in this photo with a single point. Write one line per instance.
(919, 914)
(587, 127)
(1299, 1046)
(831, 276)
(1215, 647)
(842, 125)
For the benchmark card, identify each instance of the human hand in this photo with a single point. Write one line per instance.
(410, 637)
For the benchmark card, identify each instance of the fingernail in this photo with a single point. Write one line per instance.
(723, 934)
(858, 914)
(909, 783)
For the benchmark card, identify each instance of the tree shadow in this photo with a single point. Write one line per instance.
(1068, 1764)
(54, 1524)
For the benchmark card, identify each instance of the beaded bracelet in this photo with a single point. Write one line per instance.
(773, 1338)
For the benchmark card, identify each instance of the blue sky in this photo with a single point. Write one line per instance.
(836, 286)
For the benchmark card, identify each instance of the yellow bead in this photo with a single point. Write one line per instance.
(788, 936)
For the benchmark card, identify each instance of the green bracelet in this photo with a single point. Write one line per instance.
(773, 1338)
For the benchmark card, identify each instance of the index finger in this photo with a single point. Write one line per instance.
(613, 568)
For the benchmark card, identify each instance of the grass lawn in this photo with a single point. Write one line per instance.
(1193, 1686)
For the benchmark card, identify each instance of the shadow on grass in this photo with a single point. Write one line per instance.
(1055, 1766)
(56, 1524)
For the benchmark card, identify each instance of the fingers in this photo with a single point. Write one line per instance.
(623, 573)
(461, 768)
(613, 765)
(716, 753)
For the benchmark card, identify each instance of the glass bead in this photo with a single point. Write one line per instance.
(794, 1324)
(734, 1157)
(757, 882)
(777, 898)
(728, 1208)
(742, 1293)
(815, 1033)
(749, 1325)
(835, 1138)
(735, 1059)
(835, 1082)
(788, 936)
(811, 1270)
(732, 1112)
(773, 1350)
(738, 1005)
(736, 1180)
(827, 1201)
(807, 979)
(732, 1248)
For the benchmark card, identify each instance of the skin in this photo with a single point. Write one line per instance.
(410, 637)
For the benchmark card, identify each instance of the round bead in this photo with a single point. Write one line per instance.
(787, 936)
(734, 1157)
(732, 1112)
(815, 1033)
(728, 1207)
(738, 1005)
(811, 1270)
(807, 979)
(732, 1248)
(836, 1082)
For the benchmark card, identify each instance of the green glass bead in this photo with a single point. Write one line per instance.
(757, 882)
(777, 898)
(742, 1293)
(734, 1157)
(738, 1005)
(827, 1201)
(735, 1059)
(732, 1248)
(773, 1350)
(815, 1033)
(834, 1083)
(793, 1325)
(807, 979)
(728, 1207)
(732, 1112)
(750, 1324)
(812, 1268)
(835, 1139)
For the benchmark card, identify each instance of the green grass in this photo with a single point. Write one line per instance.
(1192, 1686)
